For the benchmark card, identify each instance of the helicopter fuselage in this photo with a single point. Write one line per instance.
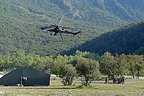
(56, 30)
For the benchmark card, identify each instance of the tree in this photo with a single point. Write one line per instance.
(107, 64)
(20, 59)
(67, 72)
(48, 64)
(130, 62)
(88, 69)
(58, 62)
(139, 63)
(120, 65)
(135, 63)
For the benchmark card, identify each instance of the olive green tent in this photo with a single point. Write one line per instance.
(26, 77)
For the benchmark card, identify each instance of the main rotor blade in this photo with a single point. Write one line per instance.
(47, 27)
(43, 28)
(61, 35)
(61, 19)
(67, 28)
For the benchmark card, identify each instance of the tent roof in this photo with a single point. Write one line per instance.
(26, 72)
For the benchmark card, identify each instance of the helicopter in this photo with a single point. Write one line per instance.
(58, 29)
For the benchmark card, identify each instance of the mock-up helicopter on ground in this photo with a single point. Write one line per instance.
(58, 29)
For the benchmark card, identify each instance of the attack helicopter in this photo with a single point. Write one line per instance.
(56, 29)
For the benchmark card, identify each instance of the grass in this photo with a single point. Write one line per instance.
(132, 87)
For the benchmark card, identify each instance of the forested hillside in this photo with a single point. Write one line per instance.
(20, 22)
(128, 40)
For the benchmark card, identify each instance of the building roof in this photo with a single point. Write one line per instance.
(34, 77)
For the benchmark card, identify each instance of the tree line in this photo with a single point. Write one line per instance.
(127, 39)
(89, 66)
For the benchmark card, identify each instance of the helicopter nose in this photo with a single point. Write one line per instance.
(42, 28)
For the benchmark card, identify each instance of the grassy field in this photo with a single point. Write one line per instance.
(132, 87)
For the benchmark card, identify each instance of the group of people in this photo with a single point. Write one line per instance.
(119, 80)
(116, 80)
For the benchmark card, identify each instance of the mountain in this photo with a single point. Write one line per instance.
(128, 40)
(124, 9)
(20, 22)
